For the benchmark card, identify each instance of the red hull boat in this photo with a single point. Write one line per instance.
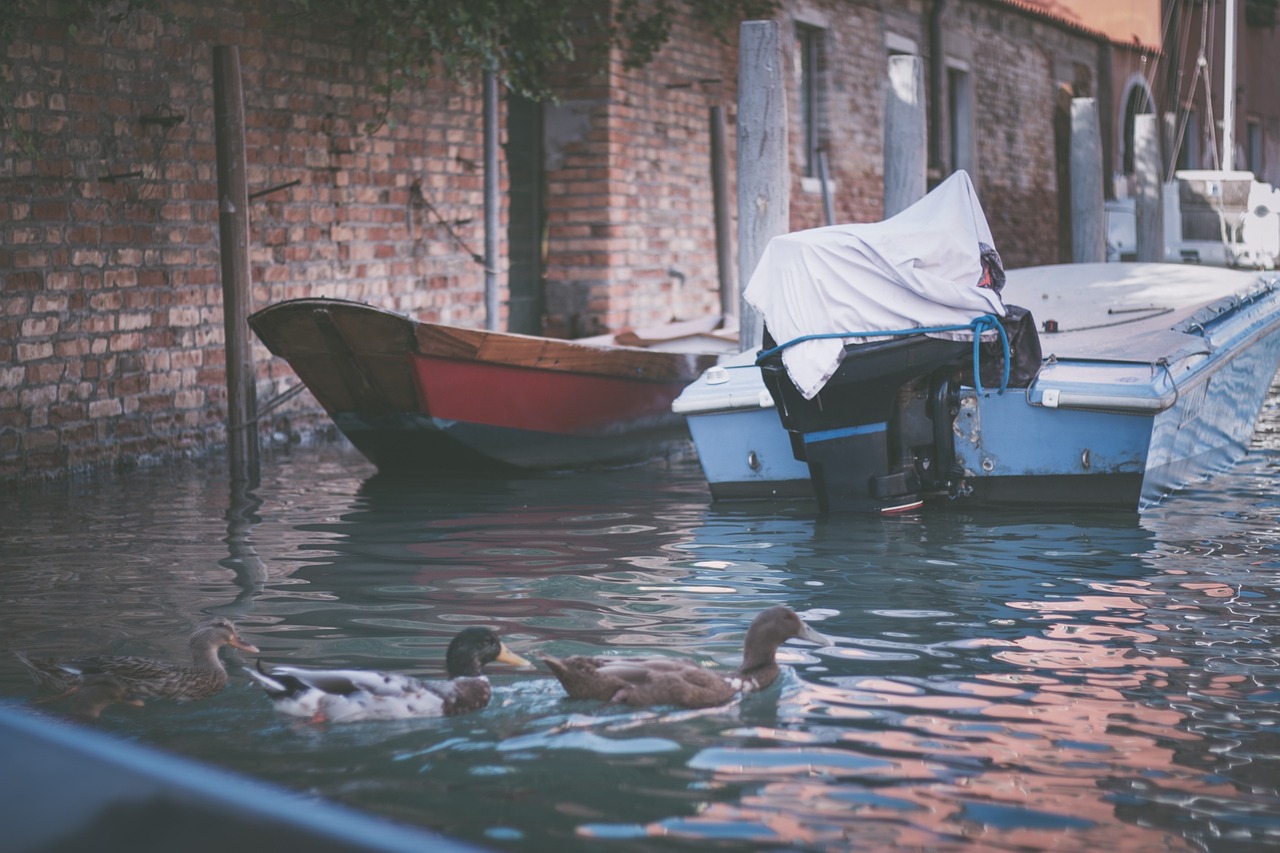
(450, 399)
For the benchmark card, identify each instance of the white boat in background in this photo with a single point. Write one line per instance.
(1137, 379)
(1224, 219)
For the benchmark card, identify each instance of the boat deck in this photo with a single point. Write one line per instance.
(1127, 312)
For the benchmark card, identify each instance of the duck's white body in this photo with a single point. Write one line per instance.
(351, 695)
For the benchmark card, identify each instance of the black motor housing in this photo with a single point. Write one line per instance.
(850, 432)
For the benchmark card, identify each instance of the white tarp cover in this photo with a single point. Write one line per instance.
(918, 269)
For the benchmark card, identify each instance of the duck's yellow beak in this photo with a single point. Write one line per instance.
(508, 656)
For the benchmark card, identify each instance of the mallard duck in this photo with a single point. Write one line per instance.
(671, 681)
(347, 695)
(145, 678)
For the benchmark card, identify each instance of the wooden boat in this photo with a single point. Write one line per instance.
(410, 394)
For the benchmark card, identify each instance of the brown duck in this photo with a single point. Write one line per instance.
(144, 678)
(670, 681)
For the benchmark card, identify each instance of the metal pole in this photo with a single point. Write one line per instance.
(764, 172)
(1229, 89)
(233, 233)
(720, 205)
(491, 203)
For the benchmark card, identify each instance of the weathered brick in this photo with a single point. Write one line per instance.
(39, 327)
(104, 408)
(34, 352)
(12, 377)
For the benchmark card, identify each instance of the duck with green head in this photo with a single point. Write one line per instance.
(348, 695)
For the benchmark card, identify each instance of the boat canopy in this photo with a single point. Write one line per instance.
(922, 269)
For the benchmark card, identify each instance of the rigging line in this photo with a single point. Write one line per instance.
(1177, 80)
(1158, 55)
(1203, 63)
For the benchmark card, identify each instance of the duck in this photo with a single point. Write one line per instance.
(351, 695)
(643, 681)
(145, 678)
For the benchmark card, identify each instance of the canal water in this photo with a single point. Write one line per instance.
(1047, 680)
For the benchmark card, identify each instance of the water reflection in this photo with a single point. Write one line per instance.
(1003, 679)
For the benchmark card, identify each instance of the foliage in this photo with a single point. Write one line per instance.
(518, 39)
(71, 14)
(643, 28)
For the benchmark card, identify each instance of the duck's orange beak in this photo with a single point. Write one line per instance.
(242, 645)
(508, 656)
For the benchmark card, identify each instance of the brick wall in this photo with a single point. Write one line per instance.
(111, 327)
(851, 70)
(1018, 65)
(629, 198)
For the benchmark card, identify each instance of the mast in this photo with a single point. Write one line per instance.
(1229, 89)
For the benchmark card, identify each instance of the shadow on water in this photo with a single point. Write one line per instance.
(1002, 679)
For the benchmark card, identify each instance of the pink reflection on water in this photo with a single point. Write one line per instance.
(1035, 757)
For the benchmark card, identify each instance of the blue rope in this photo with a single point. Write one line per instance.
(978, 326)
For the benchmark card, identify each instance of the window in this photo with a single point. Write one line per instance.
(808, 68)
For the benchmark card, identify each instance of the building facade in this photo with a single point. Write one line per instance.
(111, 326)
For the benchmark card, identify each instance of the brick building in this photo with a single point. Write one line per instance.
(110, 300)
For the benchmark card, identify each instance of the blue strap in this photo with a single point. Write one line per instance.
(977, 326)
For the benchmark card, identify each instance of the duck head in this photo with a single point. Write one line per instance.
(770, 629)
(472, 648)
(217, 632)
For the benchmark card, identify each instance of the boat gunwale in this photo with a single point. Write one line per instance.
(507, 349)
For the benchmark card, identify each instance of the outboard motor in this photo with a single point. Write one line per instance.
(852, 433)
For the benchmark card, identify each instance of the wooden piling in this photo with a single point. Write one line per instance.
(764, 171)
(1149, 198)
(720, 205)
(233, 233)
(1088, 215)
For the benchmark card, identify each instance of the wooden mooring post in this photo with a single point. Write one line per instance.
(1088, 228)
(720, 207)
(1149, 199)
(233, 234)
(764, 172)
